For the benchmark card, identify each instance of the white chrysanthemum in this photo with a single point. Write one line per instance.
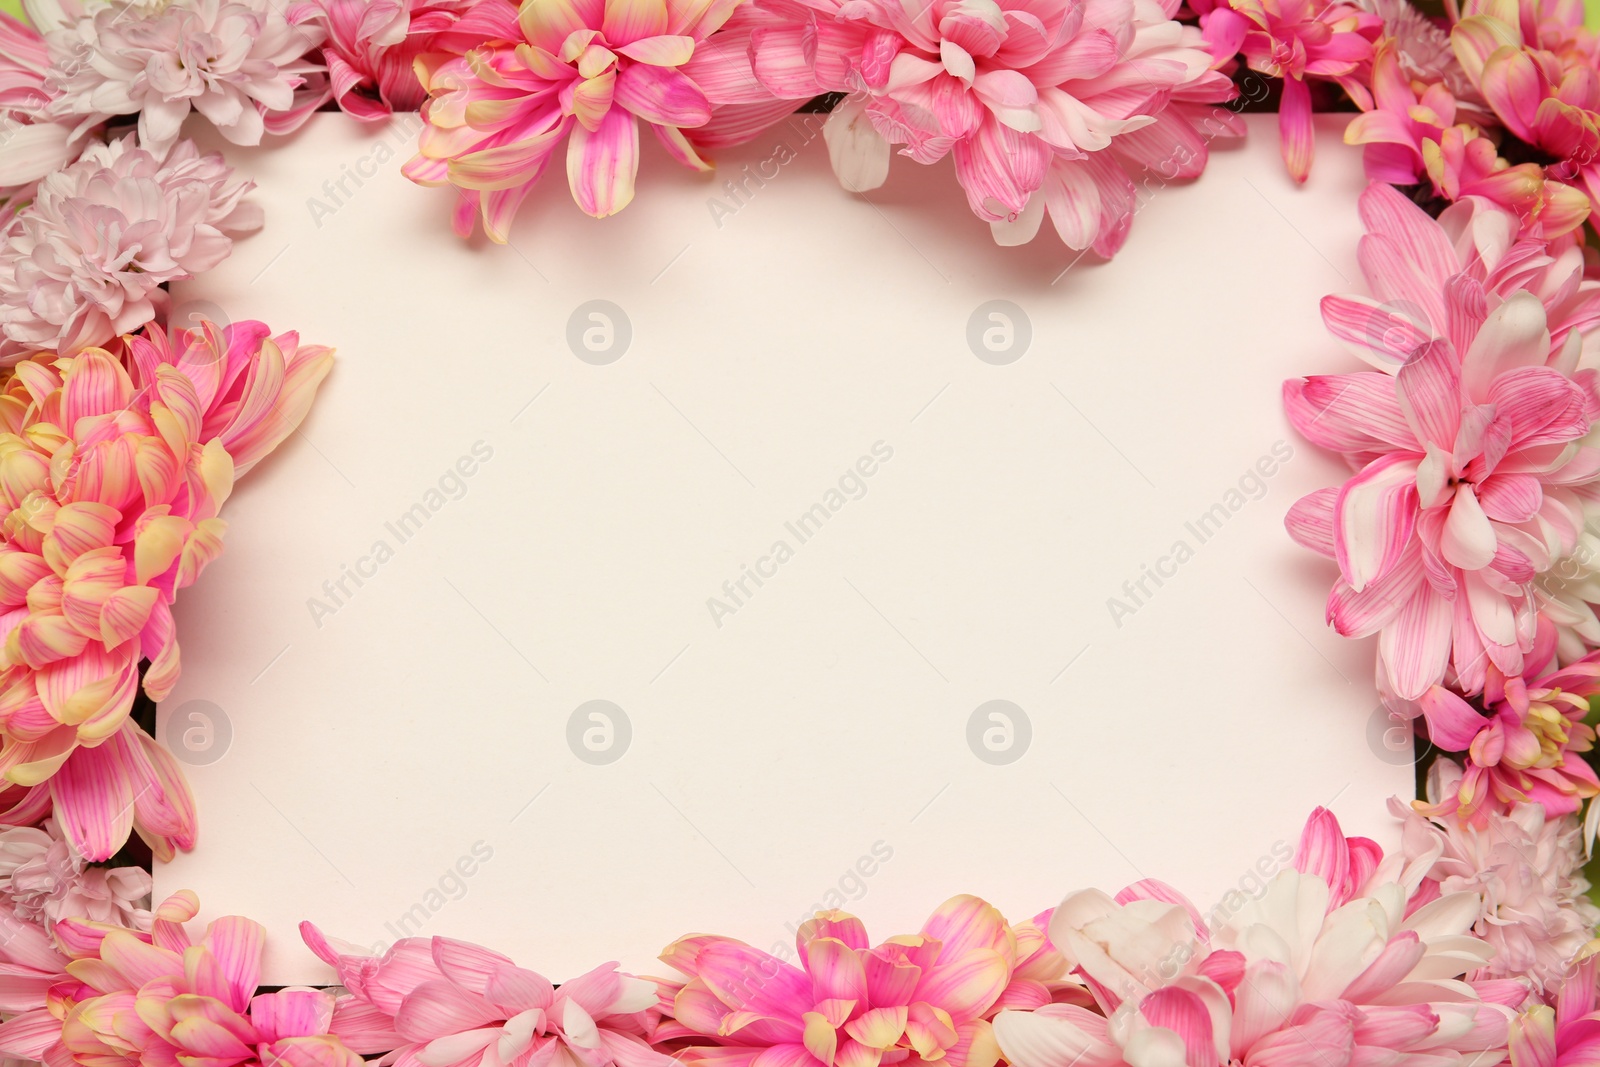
(1529, 873)
(234, 61)
(82, 263)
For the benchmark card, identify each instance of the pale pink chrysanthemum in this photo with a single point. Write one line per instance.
(372, 46)
(1046, 108)
(45, 880)
(1468, 444)
(1526, 869)
(1303, 974)
(82, 263)
(587, 72)
(448, 1003)
(113, 472)
(1296, 40)
(1422, 44)
(919, 999)
(237, 62)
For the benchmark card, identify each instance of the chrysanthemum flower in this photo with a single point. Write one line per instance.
(237, 62)
(371, 49)
(1046, 108)
(584, 71)
(1295, 40)
(847, 1003)
(447, 1003)
(1527, 870)
(1412, 133)
(169, 998)
(1527, 748)
(45, 879)
(82, 263)
(112, 476)
(1539, 74)
(1289, 977)
(1468, 446)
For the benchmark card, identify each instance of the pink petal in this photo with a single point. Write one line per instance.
(1416, 645)
(1373, 518)
(1430, 394)
(1294, 128)
(1514, 335)
(601, 166)
(662, 96)
(1452, 722)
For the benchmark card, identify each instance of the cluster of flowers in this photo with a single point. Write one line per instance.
(113, 466)
(1467, 947)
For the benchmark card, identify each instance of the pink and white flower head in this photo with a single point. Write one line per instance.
(846, 1003)
(1528, 748)
(1468, 444)
(237, 62)
(169, 998)
(586, 72)
(113, 475)
(1046, 108)
(372, 46)
(82, 263)
(451, 1004)
(44, 880)
(1296, 40)
(1528, 871)
(1302, 974)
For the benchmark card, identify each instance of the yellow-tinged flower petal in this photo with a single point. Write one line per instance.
(879, 1028)
(216, 472)
(125, 613)
(204, 546)
(158, 545)
(820, 1038)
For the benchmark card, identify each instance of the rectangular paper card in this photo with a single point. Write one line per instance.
(764, 549)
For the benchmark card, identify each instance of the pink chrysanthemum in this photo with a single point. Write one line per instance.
(1295, 40)
(1527, 748)
(1541, 75)
(1527, 871)
(166, 999)
(587, 72)
(1046, 108)
(1411, 134)
(82, 263)
(447, 1003)
(372, 46)
(237, 62)
(922, 999)
(44, 880)
(1303, 974)
(113, 474)
(1467, 447)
